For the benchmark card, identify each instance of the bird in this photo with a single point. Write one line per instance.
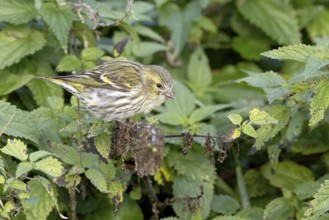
(119, 88)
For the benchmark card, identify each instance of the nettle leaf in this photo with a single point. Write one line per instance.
(17, 42)
(268, 131)
(103, 144)
(315, 67)
(198, 70)
(276, 19)
(194, 166)
(320, 204)
(224, 204)
(319, 102)
(249, 130)
(38, 154)
(97, 179)
(298, 52)
(184, 187)
(10, 82)
(50, 165)
(184, 102)
(42, 89)
(287, 175)
(69, 63)
(268, 79)
(68, 154)
(92, 53)
(59, 18)
(22, 168)
(273, 84)
(40, 203)
(16, 148)
(235, 118)
(307, 190)
(17, 11)
(260, 117)
(279, 208)
(172, 118)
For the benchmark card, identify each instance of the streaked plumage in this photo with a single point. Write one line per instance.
(119, 89)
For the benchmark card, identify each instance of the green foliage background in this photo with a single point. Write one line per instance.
(252, 72)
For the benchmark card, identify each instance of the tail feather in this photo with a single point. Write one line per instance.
(63, 82)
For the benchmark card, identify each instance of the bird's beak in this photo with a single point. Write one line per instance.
(170, 94)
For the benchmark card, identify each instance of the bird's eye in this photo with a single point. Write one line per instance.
(159, 85)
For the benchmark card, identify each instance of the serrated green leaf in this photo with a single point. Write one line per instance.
(69, 63)
(16, 11)
(279, 208)
(260, 117)
(23, 168)
(306, 190)
(40, 203)
(10, 82)
(171, 119)
(17, 42)
(320, 204)
(184, 102)
(92, 53)
(266, 132)
(38, 154)
(185, 187)
(319, 102)
(235, 118)
(252, 213)
(97, 179)
(42, 89)
(59, 19)
(249, 130)
(287, 175)
(68, 154)
(55, 102)
(192, 165)
(268, 79)
(276, 19)
(15, 148)
(16, 184)
(299, 52)
(50, 166)
(224, 204)
(198, 70)
(103, 144)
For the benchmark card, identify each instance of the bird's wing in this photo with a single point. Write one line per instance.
(120, 75)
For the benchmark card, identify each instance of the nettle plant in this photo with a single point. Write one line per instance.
(296, 104)
(58, 161)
